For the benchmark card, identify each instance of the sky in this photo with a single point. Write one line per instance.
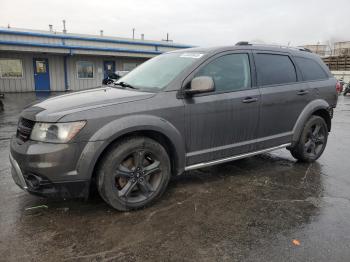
(195, 22)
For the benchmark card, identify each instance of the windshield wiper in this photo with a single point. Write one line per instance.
(123, 84)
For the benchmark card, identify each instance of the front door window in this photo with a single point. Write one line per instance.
(229, 72)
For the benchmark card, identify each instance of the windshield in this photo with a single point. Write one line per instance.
(156, 73)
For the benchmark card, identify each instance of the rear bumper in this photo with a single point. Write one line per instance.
(331, 112)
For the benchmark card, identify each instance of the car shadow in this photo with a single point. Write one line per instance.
(264, 176)
(245, 202)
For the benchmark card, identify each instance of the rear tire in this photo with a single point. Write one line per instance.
(312, 141)
(134, 173)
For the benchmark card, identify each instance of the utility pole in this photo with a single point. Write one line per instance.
(64, 27)
(167, 38)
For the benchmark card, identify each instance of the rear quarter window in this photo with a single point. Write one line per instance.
(310, 69)
(274, 69)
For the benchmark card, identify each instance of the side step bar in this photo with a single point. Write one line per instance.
(231, 158)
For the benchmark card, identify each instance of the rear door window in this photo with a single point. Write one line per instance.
(274, 69)
(310, 69)
(229, 72)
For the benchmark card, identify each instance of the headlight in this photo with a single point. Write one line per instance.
(56, 132)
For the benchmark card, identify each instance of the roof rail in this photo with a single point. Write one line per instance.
(243, 43)
(304, 49)
(300, 48)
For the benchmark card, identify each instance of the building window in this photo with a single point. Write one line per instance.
(129, 66)
(85, 69)
(40, 66)
(11, 68)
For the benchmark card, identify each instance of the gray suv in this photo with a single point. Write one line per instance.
(179, 111)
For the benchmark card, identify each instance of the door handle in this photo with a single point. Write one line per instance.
(302, 92)
(249, 100)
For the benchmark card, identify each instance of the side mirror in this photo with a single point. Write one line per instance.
(200, 84)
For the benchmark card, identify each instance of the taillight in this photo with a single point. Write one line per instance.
(338, 87)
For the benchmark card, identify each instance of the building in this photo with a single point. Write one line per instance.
(336, 57)
(342, 48)
(321, 50)
(51, 61)
(339, 60)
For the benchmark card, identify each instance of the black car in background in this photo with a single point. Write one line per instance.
(112, 77)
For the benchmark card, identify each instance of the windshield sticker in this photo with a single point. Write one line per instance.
(192, 55)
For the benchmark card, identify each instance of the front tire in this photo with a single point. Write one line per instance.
(134, 173)
(313, 140)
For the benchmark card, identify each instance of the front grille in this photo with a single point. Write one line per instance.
(24, 129)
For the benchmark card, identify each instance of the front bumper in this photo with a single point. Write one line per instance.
(17, 174)
(49, 169)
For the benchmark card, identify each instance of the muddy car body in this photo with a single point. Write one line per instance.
(209, 106)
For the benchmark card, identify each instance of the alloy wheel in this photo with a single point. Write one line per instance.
(138, 176)
(315, 140)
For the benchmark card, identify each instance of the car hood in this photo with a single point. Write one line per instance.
(52, 109)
